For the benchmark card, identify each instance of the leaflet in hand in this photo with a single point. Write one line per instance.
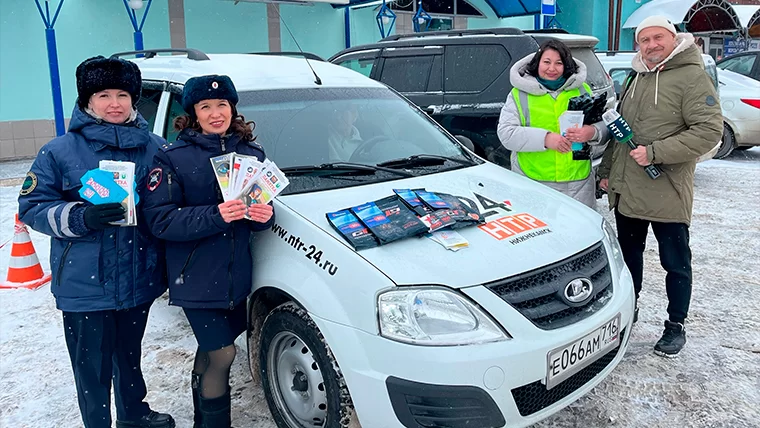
(222, 171)
(124, 176)
(570, 119)
(264, 186)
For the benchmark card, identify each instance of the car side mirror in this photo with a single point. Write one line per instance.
(466, 142)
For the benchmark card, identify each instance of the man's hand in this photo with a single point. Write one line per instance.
(557, 142)
(639, 154)
(260, 213)
(604, 184)
(581, 135)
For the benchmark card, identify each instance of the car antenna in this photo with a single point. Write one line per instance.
(317, 80)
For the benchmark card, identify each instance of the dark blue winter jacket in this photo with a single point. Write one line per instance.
(209, 261)
(117, 268)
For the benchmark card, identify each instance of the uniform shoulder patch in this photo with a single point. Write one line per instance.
(154, 178)
(173, 145)
(710, 100)
(29, 184)
(256, 145)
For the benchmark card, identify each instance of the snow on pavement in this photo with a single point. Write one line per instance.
(715, 382)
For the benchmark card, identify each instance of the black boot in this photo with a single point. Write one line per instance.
(196, 387)
(672, 341)
(636, 312)
(151, 420)
(216, 411)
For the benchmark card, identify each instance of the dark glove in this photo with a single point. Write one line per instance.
(98, 217)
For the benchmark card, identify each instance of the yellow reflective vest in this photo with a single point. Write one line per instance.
(543, 111)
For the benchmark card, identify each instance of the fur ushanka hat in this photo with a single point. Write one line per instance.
(210, 87)
(100, 73)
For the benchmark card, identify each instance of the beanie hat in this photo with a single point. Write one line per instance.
(209, 87)
(100, 73)
(655, 21)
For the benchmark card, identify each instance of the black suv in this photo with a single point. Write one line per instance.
(461, 77)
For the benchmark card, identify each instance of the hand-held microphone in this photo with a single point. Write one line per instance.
(624, 134)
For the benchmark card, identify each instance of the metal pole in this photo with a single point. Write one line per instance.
(55, 81)
(52, 51)
(347, 25)
(138, 36)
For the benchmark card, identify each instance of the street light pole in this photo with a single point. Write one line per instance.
(52, 51)
(132, 6)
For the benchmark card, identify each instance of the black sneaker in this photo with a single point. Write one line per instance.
(672, 341)
(151, 420)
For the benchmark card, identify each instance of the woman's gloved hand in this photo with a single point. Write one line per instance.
(99, 217)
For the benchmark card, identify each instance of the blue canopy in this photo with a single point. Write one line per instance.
(509, 8)
(502, 8)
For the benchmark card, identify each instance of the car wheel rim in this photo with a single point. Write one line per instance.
(297, 384)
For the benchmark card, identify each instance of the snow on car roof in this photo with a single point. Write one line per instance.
(252, 72)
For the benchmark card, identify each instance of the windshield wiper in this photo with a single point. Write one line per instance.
(422, 160)
(340, 168)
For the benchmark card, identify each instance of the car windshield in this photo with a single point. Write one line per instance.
(360, 126)
(596, 76)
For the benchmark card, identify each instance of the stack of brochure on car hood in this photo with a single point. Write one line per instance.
(449, 239)
(246, 178)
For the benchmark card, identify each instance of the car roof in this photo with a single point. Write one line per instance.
(619, 58)
(415, 40)
(252, 72)
(571, 40)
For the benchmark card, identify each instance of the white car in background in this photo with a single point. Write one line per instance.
(618, 66)
(740, 102)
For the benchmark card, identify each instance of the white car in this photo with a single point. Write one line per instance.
(533, 314)
(618, 65)
(740, 103)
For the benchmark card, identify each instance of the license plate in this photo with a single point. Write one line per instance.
(567, 360)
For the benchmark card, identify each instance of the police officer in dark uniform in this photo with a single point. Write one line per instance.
(207, 240)
(105, 277)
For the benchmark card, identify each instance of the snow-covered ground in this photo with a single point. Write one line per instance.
(714, 383)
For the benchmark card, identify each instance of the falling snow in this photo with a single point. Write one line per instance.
(713, 383)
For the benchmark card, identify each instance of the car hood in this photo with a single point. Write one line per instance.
(733, 80)
(509, 243)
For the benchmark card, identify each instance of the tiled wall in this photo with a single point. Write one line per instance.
(24, 138)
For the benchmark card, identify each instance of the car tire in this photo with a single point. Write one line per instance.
(302, 382)
(727, 143)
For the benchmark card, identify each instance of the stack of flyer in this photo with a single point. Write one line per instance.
(124, 177)
(449, 239)
(245, 178)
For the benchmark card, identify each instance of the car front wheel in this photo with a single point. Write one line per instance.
(727, 143)
(302, 382)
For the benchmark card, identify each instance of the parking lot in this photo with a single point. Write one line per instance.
(715, 382)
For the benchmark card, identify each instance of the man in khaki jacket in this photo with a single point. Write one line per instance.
(673, 110)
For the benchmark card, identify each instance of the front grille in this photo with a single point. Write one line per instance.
(422, 405)
(538, 294)
(534, 397)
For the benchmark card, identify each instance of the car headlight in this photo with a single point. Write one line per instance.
(617, 252)
(434, 316)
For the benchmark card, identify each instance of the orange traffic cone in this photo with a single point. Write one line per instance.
(24, 270)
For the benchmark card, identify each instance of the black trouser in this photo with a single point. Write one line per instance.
(104, 345)
(675, 258)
